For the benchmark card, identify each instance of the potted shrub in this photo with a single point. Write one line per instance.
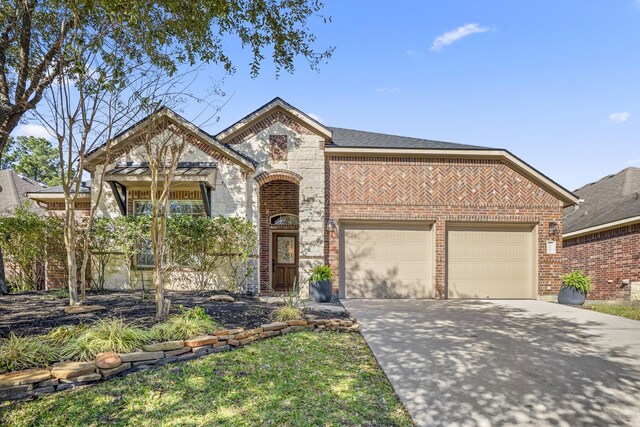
(320, 283)
(575, 286)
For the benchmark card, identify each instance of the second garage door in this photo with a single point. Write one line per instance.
(390, 260)
(490, 261)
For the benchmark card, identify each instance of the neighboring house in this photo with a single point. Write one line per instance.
(13, 189)
(393, 216)
(602, 235)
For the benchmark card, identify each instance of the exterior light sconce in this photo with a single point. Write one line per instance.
(554, 230)
(331, 226)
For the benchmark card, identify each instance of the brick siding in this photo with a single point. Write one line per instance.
(276, 197)
(608, 255)
(440, 190)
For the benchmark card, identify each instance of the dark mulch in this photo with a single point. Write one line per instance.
(38, 312)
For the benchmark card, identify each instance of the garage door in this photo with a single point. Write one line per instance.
(387, 260)
(490, 262)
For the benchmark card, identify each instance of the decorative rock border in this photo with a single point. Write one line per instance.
(29, 383)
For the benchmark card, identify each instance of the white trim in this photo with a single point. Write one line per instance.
(603, 227)
(514, 162)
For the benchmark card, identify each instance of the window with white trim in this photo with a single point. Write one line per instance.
(144, 258)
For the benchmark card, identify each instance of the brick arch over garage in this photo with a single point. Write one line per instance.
(276, 196)
(278, 175)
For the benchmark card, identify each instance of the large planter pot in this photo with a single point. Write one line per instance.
(320, 291)
(571, 296)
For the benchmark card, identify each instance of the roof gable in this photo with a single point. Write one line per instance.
(13, 189)
(127, 140)
(275, 110)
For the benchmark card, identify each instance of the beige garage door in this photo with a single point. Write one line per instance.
(387, 260)
(490, 262)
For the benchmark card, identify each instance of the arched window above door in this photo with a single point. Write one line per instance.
(284, 220)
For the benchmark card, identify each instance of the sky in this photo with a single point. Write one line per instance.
(557, 83)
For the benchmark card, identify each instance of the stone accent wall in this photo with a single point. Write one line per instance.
(305, 164)
(440, 190)
(609, 257)
(276, 197)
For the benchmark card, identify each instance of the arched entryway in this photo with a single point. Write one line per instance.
(279, 232)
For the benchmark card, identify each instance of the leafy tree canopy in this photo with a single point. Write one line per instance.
(39, 38)
(35, 158)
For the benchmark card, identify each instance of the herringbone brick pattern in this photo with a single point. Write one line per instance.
(442, 191)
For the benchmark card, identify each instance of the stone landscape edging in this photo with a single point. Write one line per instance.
(34, 382)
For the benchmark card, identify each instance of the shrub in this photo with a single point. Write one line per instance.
(321, 273)
(286, 313)
(577, 280)
(189, 323)
(26, 352)
(63, 334)
(111, 334)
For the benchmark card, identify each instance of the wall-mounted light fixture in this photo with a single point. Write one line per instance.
(331, 226)
(554, 230)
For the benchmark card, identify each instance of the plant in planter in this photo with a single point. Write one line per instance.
(575, 286)
(320, 283)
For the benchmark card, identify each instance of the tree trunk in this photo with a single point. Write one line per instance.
(3, 278)
(70, 246)
(158, 282)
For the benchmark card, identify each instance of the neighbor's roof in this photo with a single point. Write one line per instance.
(13, 189)
(85, 188)
(611, 199)
(360, 139)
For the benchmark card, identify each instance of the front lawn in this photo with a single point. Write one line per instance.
(300, 379)
(628, 311)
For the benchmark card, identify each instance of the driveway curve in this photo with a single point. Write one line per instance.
(488, 363)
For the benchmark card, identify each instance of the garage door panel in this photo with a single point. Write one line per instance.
(387, 260)
(490, 262)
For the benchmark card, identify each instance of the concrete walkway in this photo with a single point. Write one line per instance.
(487, 363)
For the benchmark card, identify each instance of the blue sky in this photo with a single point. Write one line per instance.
(555, 82)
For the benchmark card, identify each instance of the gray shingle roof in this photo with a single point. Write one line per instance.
(360, 139)
(85, 188)
(13, 188)
(612, 198)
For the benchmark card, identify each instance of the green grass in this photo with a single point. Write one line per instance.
(628, 311)
(301, 379)
(286, 313)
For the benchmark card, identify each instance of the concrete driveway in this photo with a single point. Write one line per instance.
(492, 363)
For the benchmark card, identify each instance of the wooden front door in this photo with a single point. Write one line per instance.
(284, 261)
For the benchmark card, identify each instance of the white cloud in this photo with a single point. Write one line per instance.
(315, 117)
(29, 129)
(387, 89)
(619, 117)
(454, 35)
(413, 53)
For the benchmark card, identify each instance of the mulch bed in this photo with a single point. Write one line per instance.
(32, 313)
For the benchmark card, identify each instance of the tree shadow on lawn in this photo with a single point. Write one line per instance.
(480, 363)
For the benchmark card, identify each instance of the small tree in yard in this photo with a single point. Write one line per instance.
(164, 145)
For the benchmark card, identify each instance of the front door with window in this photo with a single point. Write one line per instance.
(284, 261)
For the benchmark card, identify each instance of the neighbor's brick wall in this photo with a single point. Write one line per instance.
(56, 271)
(276, 197)
(440, 190)
(609, 255)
